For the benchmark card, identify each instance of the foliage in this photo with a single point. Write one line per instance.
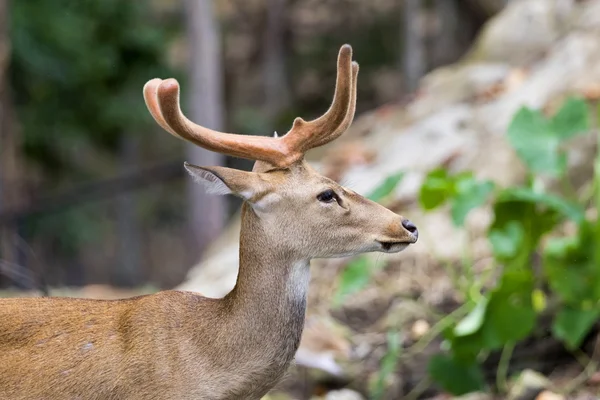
(463, 192)
(455, 376)
(524, 215)
(525, 225)
(76, 74)
(77, 69)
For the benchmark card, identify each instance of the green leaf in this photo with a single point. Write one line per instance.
(567, 209)
(470, 194)
(506, 240)
(355, 277)
(519, 223)
(532, 137)
(473, 321)
(436, 189)
(573, 118)
(508, 317)
(538, 140)
(571, 267)
(454, 376)
(571, 325)
(387, 187)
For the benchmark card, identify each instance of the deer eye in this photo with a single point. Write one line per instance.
(327, 196)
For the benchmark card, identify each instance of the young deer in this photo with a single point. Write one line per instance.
(180, 345)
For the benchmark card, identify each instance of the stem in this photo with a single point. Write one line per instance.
(435, 330)
(590, 367)
(419, 389)
(597, 188)
(467, 266)
(503, 365)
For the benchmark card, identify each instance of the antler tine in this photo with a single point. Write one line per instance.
(306, 135)
(322, 140)
(150, 97)
(168, 115)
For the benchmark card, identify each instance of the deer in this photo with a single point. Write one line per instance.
(178, 344)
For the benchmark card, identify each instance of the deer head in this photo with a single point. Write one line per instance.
(304, 212)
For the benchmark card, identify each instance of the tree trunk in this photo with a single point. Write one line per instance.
(414, 63)
(277, 90)
(205, 91)
(127, 272)
(456, 27)
(445, 42)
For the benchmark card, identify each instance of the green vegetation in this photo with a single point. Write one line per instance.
(77, 70)
(505, 309)
(76, 73)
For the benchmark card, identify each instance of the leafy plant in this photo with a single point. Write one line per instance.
(523, 215)
(462, 191)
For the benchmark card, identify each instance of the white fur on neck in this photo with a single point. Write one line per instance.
(297, 282)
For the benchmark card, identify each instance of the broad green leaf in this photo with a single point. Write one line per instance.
(355, 277)
(470, 194)
(473, 321)
(454, 376)
(506, 240)
(387, 187)
(517, 228)
(567, 209)
(436, 189)
(571, 325)
(571, 268)
(532, 137)
(509, 317)
(572, 118)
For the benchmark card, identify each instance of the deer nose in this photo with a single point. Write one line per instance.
(412, 228)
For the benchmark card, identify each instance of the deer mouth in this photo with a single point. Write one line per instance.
(393, 246)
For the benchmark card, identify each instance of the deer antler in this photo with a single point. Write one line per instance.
(162, 100)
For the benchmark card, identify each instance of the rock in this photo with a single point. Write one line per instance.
(344, 394)
(523, 32)
(548, 395)
(528, 386)
(594, 380)
(322, 345)
(419, 329)
(474, 396)
(277, 396)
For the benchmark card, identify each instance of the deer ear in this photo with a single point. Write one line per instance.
(222, 180)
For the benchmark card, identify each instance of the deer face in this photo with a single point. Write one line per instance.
(310, 215)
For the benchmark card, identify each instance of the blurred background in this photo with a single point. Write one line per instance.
(477, 119)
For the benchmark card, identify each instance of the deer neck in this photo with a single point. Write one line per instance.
(269, 299)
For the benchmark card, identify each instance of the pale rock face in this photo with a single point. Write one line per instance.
(533, 53)
(524, 31)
